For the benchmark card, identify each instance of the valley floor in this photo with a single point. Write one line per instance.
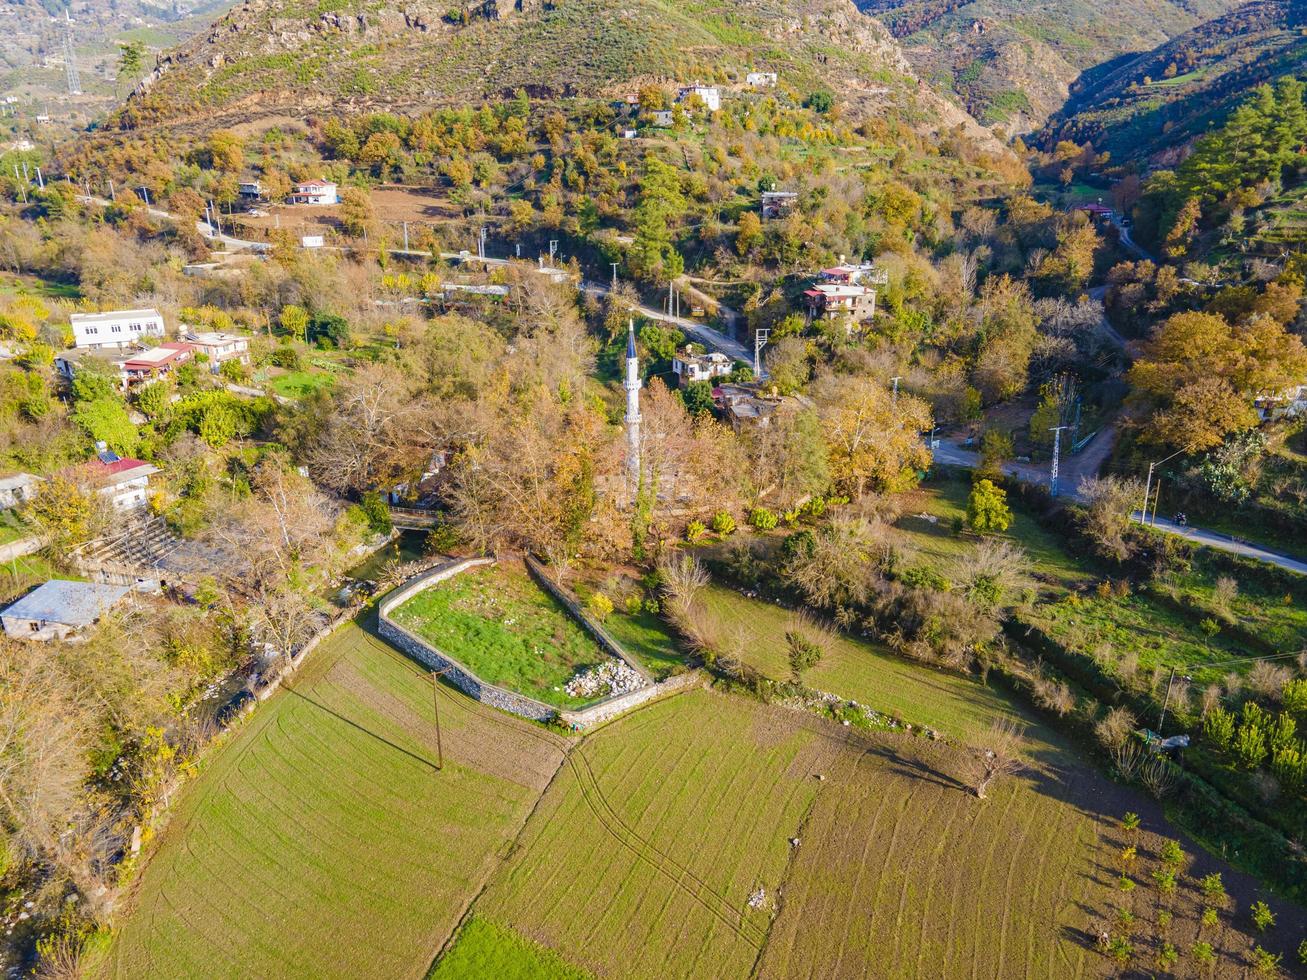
(705, 834)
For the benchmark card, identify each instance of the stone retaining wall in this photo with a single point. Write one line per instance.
(453, 671)
(588, 623)
(519, 704)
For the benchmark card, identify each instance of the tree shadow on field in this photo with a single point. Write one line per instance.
(916, 768)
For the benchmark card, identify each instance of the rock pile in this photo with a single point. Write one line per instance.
(612, 676)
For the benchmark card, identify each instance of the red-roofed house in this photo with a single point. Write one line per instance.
(124, 481)
(829, 301)
(156, 362)
(315, 192)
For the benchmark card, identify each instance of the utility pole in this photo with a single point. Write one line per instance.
(614, 265)
(1161, 718)
(70, 58)
(553, 250)
(518, 246)
(1057, 451)
(40, 181)
(481, 243)
(112, 195)
(435, 703)
(405, 236)
(759, 342)
(896, 379)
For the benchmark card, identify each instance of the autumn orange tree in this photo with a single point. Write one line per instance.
(1202, 374)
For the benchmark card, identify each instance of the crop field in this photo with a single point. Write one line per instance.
(861, 671)
(641, 859)
(322, 841)
(498, 622)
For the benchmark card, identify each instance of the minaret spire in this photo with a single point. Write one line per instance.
(632, 386)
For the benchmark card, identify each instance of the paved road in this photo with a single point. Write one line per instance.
(1087, 463)
(710, 338)
(1228, 543)
(1123, 232)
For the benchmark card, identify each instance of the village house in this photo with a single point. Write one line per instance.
(777, 204)
(119, 328)
(1290, 403)
(663, 118)
(831, 301)
(863, 274)
(708, 94)
(16, 490)
(251, 189)
(220, 347)
(125, 482)
(315, 192)
(59, 609)
(761, 79)
(689, 367)
(747, 405)
(155, 362)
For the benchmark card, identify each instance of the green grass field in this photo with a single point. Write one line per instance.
(484, 950)
(322, 841)
(642, 857)
(861, 671)
(499, 623)
(300, 384)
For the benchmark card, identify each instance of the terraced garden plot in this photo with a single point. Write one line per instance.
(499, 623)
(642, 856)
(322, 842)
(861, 671)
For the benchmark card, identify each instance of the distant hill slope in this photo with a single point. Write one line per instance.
(1154, 104)
(1011, 62)
(269, 57)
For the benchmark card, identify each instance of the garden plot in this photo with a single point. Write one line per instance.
(507, 630)
(322, 841)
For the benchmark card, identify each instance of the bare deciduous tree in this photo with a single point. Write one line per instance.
(1001, 753)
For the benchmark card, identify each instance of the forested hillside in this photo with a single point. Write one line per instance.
(265, 58)
(1156, 103)
(1010, 63)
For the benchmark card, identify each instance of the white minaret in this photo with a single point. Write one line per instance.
(632, 386)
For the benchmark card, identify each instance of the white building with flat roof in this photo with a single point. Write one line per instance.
(220, 347)
(709, 94)
(118, 328)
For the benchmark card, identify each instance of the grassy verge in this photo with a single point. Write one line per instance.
(861, 671)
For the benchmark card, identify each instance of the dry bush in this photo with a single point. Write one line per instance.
(1129, 757)
(1157, 774)
(1267, 680)
(1211, 698)
(1115, 728)
(1054, 696)
(1109, 504)
(1225, 592)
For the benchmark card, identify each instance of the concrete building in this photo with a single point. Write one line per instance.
(59, 608)
(708, 94)
(220, 347)
(1290, 403)
(777, 204)
(863, 274)
(830, 301)
(126, 482)
(315, 192)
(250, 189)
(761, 79)
(18, 489)
(689, 367)
(663, 118)
(156, 362)
(119, 328)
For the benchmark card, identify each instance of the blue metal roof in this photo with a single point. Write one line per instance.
(68, 603)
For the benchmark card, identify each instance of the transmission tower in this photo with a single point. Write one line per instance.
(70, 61)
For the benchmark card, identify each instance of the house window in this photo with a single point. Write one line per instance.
(91, 330)
(116, 328)
(36, 627)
